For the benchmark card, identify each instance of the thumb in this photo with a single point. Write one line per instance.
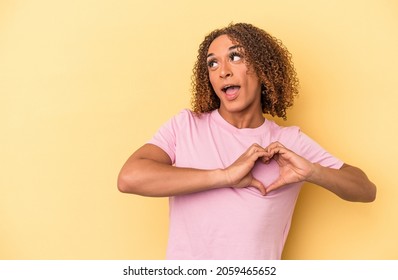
(276, 184)
(258, 185)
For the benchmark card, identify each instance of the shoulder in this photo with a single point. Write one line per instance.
(293, 138)
(187, 116)
(180, 118)
(287, 135)
(185, 121)
(299, 142)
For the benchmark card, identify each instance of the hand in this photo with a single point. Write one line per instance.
(239, 174)
(293, 168)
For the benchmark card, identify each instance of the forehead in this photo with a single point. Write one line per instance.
(220, 44)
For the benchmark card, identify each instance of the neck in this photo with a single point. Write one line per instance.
(243, 120)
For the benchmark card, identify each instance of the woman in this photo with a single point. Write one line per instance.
(233, 176)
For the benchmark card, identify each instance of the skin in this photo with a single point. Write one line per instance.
(227, 67)
(150, 167)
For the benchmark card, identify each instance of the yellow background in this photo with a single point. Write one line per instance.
(84, 83)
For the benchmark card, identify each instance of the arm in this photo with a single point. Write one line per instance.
(348, 182)
(149, 172)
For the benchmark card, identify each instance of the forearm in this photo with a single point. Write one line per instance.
(150, 178)
(349, 183)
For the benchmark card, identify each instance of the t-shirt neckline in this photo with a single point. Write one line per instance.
(247, 131)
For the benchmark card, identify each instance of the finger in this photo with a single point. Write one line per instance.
(255, 148)
(256, 145)
(273, 151)
(274, 145)
(276, 185)
(258, 185)
(260, 154)
(267, 158)
(278, 144)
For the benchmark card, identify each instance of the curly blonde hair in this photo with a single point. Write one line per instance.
(270, 60)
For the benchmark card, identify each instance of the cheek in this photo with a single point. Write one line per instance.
(213, 80)
(253, 82)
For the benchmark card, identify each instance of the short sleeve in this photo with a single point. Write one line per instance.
(165, 137)
(312, 151)
(306, 147)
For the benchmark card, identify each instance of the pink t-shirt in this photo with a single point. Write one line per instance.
(231, 223)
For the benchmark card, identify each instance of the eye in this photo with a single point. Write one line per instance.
(212, 64)
(235, 56)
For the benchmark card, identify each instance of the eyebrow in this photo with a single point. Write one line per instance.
(234, 47)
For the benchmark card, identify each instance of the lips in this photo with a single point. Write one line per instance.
(231, 91)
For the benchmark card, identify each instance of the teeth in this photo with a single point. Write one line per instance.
(224, 89)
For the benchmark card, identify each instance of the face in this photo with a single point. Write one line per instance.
(236, 85)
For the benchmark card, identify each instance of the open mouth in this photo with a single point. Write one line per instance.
(231, 92)
(230, 89)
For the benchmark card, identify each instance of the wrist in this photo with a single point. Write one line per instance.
(315, 173)
(220, 178)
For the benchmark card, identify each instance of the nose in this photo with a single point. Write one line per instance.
(225, 71)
